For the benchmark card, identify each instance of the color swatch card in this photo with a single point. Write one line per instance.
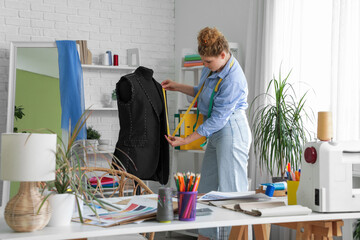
(138, 209)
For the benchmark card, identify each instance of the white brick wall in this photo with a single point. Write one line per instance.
(113, 25)
(107, 25)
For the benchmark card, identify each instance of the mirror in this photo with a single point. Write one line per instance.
(34, 90)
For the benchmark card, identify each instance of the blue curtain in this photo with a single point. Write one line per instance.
(71, 86)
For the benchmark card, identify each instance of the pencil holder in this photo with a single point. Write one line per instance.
(187, 205)
(292, 187)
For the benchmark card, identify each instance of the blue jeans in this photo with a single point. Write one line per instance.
(224, 167)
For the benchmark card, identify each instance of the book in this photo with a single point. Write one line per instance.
(84, 53)
(106, 182)
(193, 64)
(192, 57)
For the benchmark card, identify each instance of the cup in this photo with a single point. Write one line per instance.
(187, 205)
(292, 187)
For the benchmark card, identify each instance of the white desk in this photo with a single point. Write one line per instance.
(219, 217)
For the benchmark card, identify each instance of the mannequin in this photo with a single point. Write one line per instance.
(142, 127)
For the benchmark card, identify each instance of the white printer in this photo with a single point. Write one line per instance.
(327, 183)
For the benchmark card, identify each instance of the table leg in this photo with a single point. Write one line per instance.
(324, 230)
(303, 231)
(239, 233)
(262, 231)
(337, 227)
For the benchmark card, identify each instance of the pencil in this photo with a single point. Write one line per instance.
(176, 182)
(196, 185)
(191, 182)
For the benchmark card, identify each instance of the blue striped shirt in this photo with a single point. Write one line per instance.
(231, 96)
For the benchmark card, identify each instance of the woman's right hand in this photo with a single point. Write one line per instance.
(170, 85)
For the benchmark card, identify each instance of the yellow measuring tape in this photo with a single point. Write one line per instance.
(192, 103)
(166, 113)
(187, 111)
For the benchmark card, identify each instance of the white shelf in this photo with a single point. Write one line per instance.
(186, 108)
(192, 68)
(101, 109)
(122, 67)
(191, 151)
(100, 152)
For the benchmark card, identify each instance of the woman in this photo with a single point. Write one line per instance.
(224, 167)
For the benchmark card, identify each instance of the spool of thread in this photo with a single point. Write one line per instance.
(116, 60)
(105, 59)
(324, 128)
(165, 211)
(270, 190)
(110, 57)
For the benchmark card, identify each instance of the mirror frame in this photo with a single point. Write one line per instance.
(11, 97)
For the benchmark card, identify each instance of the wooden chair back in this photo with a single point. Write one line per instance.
(127, 185)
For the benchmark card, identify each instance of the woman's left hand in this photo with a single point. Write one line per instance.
(175, 141)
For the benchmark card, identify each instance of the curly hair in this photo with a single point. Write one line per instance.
(211, 42)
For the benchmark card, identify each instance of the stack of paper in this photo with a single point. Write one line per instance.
(268, 209)
(254, 204)
(217, 196)
(289, 210)
(138, 209)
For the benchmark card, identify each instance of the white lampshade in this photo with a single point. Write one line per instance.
(28, 157)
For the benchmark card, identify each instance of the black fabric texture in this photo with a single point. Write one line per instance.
(143, 126)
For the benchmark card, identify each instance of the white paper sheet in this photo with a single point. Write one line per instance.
(290, 210)
(215, 196)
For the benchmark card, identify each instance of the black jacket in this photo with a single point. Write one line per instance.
(142, 126)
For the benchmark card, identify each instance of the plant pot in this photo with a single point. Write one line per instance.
(278, 179)
(91, 145)
(62, 208)
(104, 141)
(114, 103)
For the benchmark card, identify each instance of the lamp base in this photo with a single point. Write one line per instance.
(21, 211)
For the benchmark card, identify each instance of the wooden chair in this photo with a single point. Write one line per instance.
(128, 185)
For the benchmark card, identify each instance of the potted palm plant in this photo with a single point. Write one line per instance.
(278, 127)
(70, 185)
(93, 137)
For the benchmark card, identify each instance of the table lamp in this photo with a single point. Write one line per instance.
(27, 158)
